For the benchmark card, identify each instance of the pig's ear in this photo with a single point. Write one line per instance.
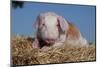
(37, 22)
(63, 23)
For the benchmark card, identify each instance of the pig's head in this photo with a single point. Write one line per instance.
(50, 26)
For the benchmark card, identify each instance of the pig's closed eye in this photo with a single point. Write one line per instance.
(57, 25)
(43, 24)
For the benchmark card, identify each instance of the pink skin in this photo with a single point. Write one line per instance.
(48, 25)
(52, 30)
(36, 43)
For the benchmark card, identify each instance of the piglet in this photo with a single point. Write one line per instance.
(54, 30)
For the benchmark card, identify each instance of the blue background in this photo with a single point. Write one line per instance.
(82, 16)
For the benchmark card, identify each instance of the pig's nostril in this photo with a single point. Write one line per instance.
(50, 40)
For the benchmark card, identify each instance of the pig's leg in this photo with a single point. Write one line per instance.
(35, 43)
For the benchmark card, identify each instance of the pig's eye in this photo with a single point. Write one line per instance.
(43, 24)
(58, 25)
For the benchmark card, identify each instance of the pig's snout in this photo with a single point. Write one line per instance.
(48, 40)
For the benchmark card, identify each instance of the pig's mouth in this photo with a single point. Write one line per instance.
(50, 41)
(46, 42)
